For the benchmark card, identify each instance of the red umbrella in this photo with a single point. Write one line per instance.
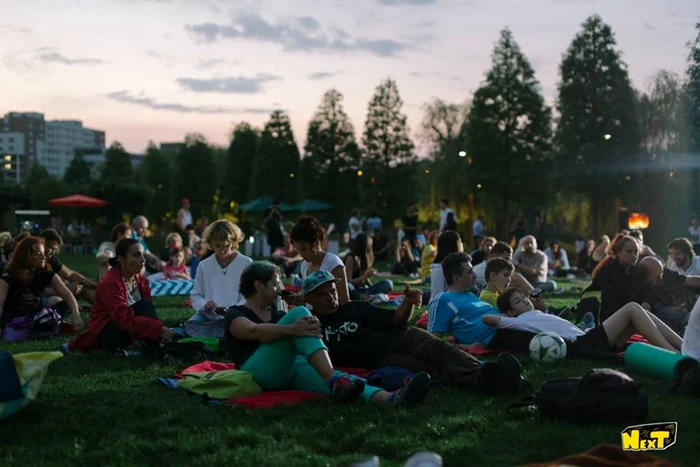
(78, 201)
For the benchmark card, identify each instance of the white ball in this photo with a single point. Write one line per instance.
(547, 347)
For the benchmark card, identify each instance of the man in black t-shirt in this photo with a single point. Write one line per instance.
(359, 334)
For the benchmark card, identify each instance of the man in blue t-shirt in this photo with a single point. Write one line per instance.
(458, 311)
(139, 227)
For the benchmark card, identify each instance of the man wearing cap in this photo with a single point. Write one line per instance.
(184, 216)
(359, 334)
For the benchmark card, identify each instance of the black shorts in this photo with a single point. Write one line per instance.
(592, 344)
(511, 341)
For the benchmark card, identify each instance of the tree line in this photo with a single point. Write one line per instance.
(504, 149)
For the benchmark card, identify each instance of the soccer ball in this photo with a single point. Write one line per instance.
(547, 347)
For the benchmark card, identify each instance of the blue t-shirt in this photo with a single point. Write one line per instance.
(459, 314)
(141, 240)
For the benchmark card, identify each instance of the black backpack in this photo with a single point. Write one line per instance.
(687, 381)
(600, 396)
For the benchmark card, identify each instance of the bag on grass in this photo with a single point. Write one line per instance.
(21, 376)
(600, 396)
(18, 329)
(224, 384)
(46, 323)
(688, 381)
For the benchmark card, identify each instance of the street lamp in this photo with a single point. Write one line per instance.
(462, 154)
(607, 136)
(359, 173)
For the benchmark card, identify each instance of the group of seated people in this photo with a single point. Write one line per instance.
(494, 305)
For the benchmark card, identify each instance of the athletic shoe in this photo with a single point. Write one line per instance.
(587, 322)
(345, 389)
(413, 392)
(513, 370)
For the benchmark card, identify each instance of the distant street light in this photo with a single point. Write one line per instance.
(291, 175)
(607, 136)
(462, 154)
(359, 173)
(478, 185)
(427, 171)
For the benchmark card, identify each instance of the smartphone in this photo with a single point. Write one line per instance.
(221, 310)
(535, 293)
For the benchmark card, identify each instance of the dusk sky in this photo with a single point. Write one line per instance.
(157, 69)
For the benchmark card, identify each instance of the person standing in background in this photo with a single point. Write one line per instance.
(354, 224)
(694, 231)
(374, 223)
(184, 216)
(410, 223)
(444, 214)
(478, 231)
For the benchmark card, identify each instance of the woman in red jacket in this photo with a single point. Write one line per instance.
(123, 313)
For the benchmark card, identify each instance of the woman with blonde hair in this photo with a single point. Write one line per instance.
(218, 276)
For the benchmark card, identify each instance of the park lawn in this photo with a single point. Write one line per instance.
(97, 409)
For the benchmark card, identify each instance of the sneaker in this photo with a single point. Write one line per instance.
(127, 353)
(345, 389)
(413, 392)
(424, 459)
(587, 322)
(513, 370)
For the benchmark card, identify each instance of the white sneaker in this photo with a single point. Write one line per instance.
(424, 459)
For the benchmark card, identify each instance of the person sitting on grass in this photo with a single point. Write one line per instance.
(428, 256)
(78, 284)
(309, 238)
(458, 312)
(532, 264)
(175, 268)
(405, 260)
(498, 272)
(361, 261)
(24, 281)
(359, 334)
(287, 258)
(123, 316)
(199, 254)
(216, 283)
(106, 250)
(557, 259)
(611, 336)
(484, 251)
(285, 351)
(448, 242)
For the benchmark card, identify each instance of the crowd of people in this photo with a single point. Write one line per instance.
(490, 299)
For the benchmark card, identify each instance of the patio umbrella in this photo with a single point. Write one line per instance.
(261, 204)
(78, 201)
(312, 205)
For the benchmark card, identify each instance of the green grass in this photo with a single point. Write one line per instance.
(97, 409)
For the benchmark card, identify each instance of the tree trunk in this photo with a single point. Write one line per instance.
(505, 201)
(595, 216)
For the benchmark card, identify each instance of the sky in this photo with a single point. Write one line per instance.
(157, 69)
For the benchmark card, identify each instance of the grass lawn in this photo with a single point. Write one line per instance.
(101, 410)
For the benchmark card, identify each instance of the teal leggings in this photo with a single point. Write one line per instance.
(284, 363)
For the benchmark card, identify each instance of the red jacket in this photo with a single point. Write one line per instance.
(110, 306)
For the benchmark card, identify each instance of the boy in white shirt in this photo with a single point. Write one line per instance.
(611, 336)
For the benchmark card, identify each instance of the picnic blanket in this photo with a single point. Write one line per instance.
(266, 398)
(171, 287)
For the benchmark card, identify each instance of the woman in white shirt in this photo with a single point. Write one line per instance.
(218, 276)
(309, 238)
(448, 242)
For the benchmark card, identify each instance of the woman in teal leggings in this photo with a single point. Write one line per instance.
(285, 350)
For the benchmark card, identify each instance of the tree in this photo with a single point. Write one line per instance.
(331, 156)
(692, 95)
(78, 172)
(388, 152)
(196, 174)
(156, 173)
(598, 131)
(41, 187)
(238, 164)
(117, 165)
(508, 131)
(276, 164)
(442, 130)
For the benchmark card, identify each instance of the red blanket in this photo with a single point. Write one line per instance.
(267, 398)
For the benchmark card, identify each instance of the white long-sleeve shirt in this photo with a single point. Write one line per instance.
(213, 284)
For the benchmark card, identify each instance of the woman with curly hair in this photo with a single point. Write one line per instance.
(218, 276)
(309, 239)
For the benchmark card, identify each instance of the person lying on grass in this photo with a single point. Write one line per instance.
(123, 316)
(611, 336)
(359, 334)
(22, 285)
(285, 351)
(458, 312)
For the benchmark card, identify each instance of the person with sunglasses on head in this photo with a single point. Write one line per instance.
(218, 276)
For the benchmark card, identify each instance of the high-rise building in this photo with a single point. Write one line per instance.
(12, 150)
(32, 126)
(63, 138)
(51, 143)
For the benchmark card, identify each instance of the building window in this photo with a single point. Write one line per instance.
(10, 140)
